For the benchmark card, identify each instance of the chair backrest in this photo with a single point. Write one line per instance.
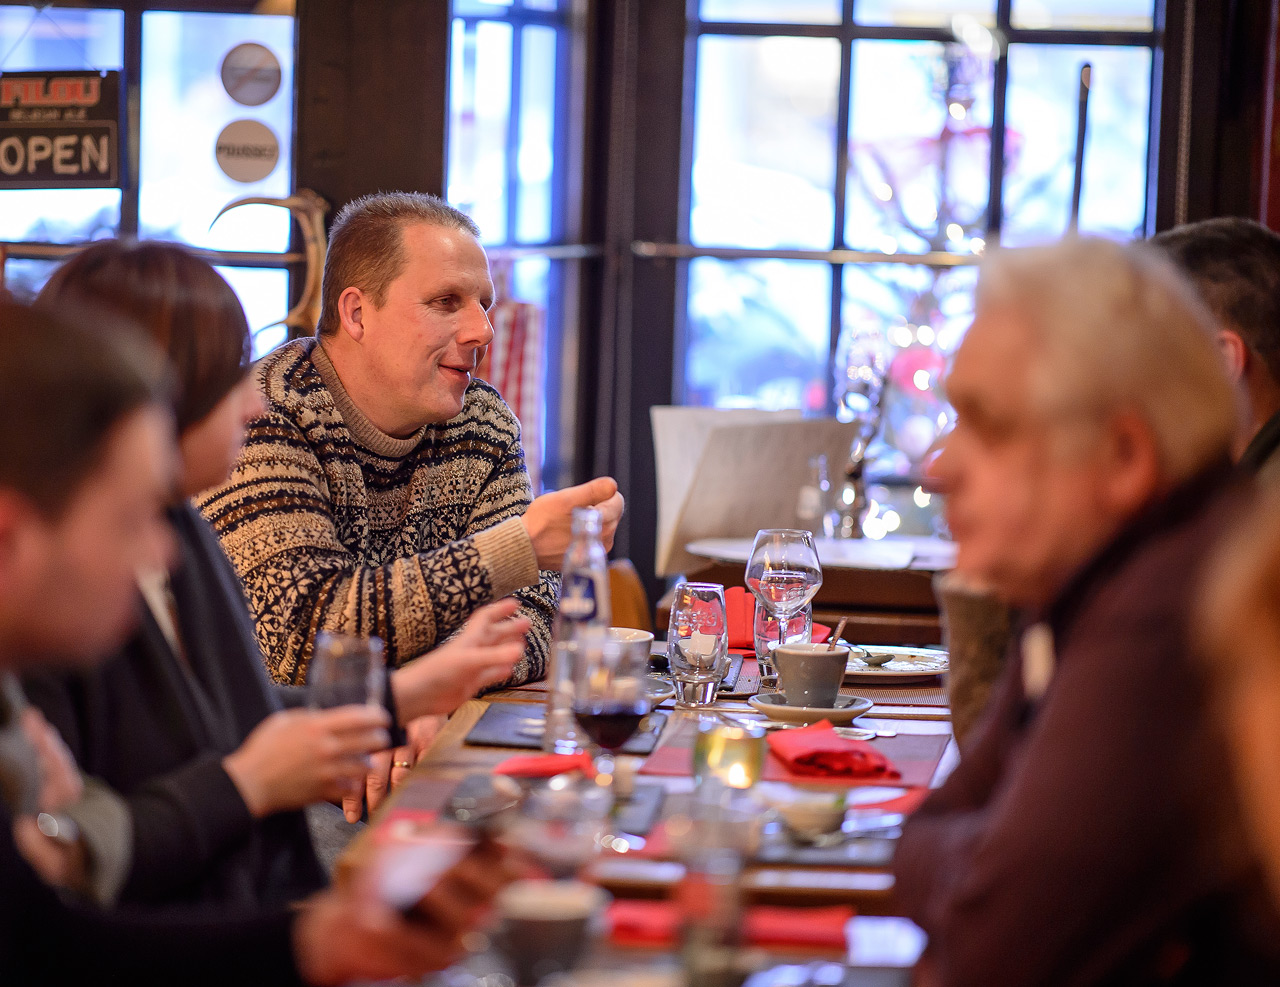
(628, 600)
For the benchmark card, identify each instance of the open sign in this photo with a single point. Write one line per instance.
(60, 130)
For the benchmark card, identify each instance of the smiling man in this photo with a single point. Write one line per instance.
(1088, 834)
(385, 491)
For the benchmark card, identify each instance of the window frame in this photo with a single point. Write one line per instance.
(292, 260)
(848, 32)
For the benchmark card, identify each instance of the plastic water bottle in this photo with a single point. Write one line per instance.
(583, 619)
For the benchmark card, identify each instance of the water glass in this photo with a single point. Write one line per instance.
(798, 629)
(345, 671)
(698, 642)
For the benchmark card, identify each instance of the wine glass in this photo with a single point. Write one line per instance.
(610, 699)
(345, 670)
(783, 571)
(698, 642)
(768, 633)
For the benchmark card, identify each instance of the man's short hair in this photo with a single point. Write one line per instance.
(1115, 327)
(366, 245)
(63, 389)
(1235, 265)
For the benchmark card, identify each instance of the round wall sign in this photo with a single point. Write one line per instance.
(251, 74)
(247, 150)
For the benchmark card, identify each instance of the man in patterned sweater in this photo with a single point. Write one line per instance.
(384, 490)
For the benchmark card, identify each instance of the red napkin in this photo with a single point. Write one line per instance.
(817, 750)
(546, 765)
(657, 923)
(740, 606)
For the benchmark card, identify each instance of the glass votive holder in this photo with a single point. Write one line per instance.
(733, 755)
(798, 630)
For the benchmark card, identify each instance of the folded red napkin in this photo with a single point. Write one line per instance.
(657, 923)
(818, 750)
(546, 765)
(740, 606)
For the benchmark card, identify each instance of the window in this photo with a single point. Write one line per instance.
(205, 78)
(509, 79)
(844, 181)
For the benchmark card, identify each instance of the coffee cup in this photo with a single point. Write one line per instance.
(810, 674)
(545, 927)
(638, 643)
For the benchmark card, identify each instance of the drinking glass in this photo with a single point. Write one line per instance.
(783, 571)
(560, 825)
(698, 642)
(798, 629)
(345, 671)
(609, 696)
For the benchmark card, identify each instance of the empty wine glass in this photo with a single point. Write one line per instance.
(783, 571)
(345, 670)
(768, 633)
(698, 642)
(609, 697)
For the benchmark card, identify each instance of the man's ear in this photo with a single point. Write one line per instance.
(351, 309)
(1235, 353)
(1131, 461)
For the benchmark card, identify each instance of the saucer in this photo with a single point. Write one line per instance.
(846, 710)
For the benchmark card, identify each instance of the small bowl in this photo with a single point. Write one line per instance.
(813, 816)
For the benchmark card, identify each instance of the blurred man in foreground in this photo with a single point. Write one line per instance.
(87, 464)
(1234, 264)
(1087, 835)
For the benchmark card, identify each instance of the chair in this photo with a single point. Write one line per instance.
(628, 601)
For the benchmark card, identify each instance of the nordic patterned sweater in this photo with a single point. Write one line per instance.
(334, 525)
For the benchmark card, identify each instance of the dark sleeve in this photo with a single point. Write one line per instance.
(181, 821)
(45, 941)
(1085, 843)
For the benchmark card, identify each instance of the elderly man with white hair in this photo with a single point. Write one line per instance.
(1088, 836)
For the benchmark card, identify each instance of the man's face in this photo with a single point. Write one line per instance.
(1025, 512)
(428, 337)
(70, 590)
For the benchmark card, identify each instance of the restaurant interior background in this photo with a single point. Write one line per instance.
(708, 201)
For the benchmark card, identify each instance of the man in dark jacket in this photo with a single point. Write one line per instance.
(1234, 264)
(1088, 835)
(86, 467)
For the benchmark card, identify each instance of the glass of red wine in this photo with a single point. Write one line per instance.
(610, 700)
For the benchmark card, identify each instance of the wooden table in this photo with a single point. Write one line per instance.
(869, 890)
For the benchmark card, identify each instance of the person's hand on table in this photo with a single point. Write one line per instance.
(346, 934)
(299, 756)
(549, 519)
(388, 768)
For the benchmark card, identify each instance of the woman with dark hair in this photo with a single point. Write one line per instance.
(184, 723)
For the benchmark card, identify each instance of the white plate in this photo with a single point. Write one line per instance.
(907, 665)
(774, 705)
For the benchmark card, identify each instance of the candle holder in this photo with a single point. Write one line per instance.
(733, 754)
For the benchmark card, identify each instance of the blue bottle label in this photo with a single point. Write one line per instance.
(578, 597)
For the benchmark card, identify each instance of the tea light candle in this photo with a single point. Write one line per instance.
(734, 755)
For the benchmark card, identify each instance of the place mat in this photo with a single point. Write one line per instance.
(502, 725)
(915, 755)
(905, 695)
(858, 851)
(659, 923)
(640, 813)
(730, 679)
